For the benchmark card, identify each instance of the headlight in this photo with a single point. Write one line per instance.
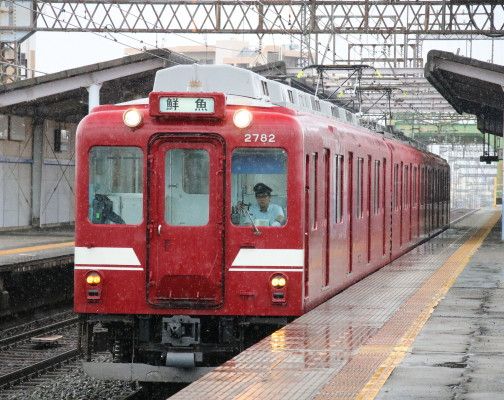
(242, 118)
(278, 281)
(132, 118)
(93, 278)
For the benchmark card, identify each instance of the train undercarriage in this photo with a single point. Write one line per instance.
(177, 348)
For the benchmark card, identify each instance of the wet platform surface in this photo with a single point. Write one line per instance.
(459, 353)
(25, 250)
(349, 346)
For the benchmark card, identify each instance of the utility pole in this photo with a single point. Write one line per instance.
(17, 22)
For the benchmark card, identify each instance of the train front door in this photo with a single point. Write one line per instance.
(185, 231)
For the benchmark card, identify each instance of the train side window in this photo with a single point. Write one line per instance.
(314, 190)
(338, 187)
(406, 193)
(415, 200)
(186, 187)
(422, 186)
(253, 166)
(115, 185)
(376, 187)
(395, 197)
(360, 180)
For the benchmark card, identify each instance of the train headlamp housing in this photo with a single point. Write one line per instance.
(93, 278)
(278, 289)
(132, 118)
(278, 281)
(242, 118)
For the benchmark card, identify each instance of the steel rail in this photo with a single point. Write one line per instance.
(37, 331)
(23, 373)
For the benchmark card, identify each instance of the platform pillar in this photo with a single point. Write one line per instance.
(38, 156)
(93, 96)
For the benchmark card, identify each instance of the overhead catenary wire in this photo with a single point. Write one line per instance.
(111, 38)
(274, 23)
(142, 48)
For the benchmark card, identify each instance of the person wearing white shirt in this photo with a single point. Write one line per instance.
(265, 213)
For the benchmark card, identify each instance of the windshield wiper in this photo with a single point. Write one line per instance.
(257, 232)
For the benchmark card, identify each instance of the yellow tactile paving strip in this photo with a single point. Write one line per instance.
(32, 249)
(347, 347)
(412, 316)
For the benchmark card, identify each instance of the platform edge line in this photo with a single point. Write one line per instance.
(36, 248)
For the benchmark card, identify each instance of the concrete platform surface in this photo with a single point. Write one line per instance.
(349, 346)
(30, 249)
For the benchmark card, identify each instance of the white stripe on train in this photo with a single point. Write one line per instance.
(266, 269)
(125, 256)
(269, 258)
(100, 268)
(106, 256)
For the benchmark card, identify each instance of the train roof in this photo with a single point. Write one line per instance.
(243, 87)
(241, 83)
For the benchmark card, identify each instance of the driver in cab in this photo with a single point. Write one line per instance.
(265, 213)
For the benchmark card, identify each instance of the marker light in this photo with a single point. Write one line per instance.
(242, 118)
(93, 278)
(132, 118)
(278, 281)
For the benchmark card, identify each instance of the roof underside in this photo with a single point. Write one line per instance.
(63, 96)
(470, 86)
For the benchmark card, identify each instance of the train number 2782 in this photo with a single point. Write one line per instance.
(259, 137)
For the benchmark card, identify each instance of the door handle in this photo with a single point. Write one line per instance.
(159, 229)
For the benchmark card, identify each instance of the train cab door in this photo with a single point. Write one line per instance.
(185, 234)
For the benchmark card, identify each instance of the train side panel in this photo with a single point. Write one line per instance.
(347, 218)
(368, 200)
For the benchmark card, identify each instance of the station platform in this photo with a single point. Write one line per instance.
(36, 269)
(21, 251)
(426, 326)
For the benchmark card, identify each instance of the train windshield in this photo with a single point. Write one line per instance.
(259, 187)
(115, 185)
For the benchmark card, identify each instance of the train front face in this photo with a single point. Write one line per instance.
(188, 228)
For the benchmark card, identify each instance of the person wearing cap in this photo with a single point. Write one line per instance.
(264, 212)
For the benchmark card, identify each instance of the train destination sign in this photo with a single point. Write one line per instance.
(197, 105)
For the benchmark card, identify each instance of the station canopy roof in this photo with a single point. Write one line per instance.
(63, 96)
(470, 86)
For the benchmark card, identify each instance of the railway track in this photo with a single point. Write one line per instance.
(36, 327)
(28, 370)
(21, 359)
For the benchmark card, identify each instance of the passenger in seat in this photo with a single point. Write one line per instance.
(265, 213)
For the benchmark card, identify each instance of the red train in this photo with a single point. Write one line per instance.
(228, 201)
